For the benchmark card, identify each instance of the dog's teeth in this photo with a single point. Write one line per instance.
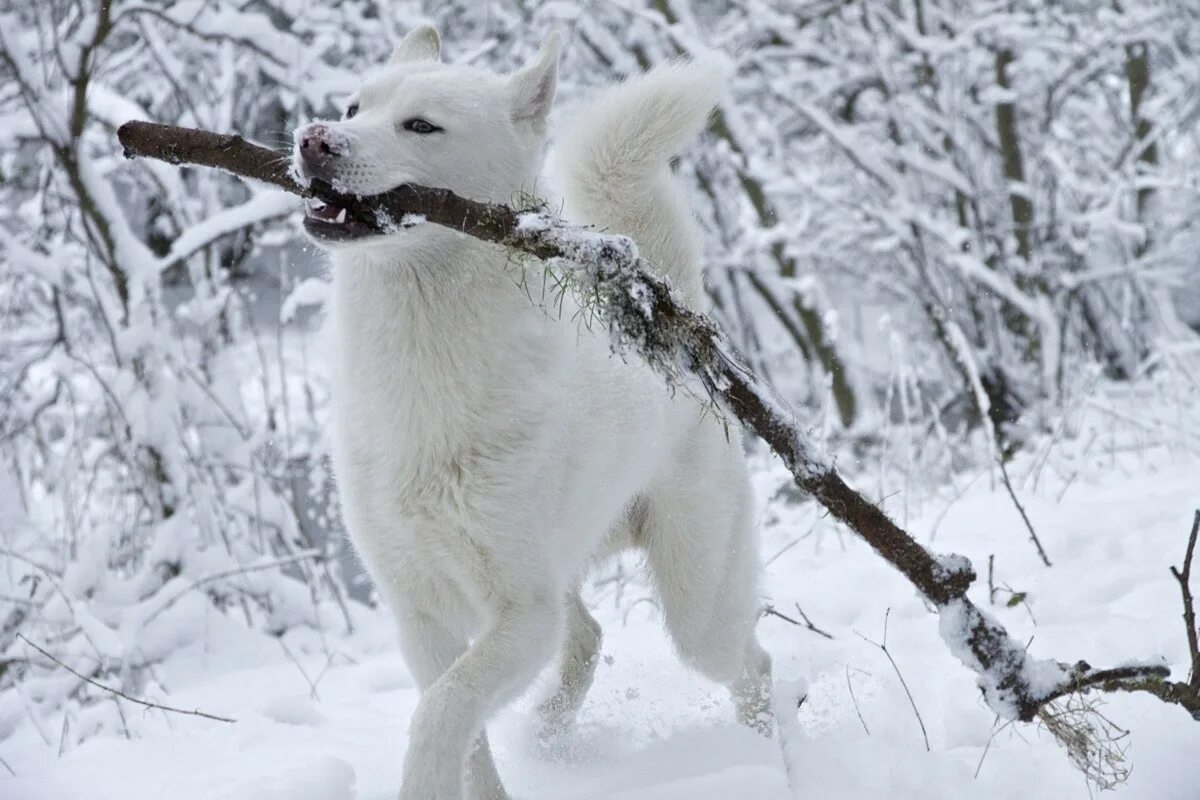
(341, 217)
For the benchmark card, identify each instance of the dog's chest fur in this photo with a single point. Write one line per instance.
(434, 366)
(460, 405)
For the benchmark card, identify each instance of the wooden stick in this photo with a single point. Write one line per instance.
(646, 316)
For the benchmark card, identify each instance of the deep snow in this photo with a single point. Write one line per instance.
(1113, 515)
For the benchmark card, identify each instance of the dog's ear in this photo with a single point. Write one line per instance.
(533, 85)
(421, 44)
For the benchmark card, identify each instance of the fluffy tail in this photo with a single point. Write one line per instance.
(613, 158)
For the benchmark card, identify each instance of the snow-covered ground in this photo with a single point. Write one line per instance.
(326, 719)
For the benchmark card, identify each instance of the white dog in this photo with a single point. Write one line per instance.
(488, 452)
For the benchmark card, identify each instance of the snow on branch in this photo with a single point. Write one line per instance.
(646, 317)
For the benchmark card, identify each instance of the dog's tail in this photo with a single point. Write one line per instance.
(613, 159)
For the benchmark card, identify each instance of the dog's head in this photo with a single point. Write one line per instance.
(417, 120)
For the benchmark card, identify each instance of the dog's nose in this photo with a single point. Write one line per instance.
(318, 145)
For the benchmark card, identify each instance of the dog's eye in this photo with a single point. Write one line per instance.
(351, 110)
(418, 125)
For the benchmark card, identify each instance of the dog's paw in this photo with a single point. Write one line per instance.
(421, 794)
(482, 783)
(493, 792)
(417, 789)
(554, 717)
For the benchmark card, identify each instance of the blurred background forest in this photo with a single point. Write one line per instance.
(938, 227)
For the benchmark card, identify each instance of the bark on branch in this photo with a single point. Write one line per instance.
(644, 316)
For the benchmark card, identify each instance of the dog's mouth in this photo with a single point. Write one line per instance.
(332, 223)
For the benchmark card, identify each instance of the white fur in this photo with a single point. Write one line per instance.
(487, 452)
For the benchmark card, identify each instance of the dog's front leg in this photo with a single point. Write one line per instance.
(429, 650)
(454, 710)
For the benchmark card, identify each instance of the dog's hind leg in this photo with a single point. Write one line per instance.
(751, 690)
(576, 668)
(702, 551)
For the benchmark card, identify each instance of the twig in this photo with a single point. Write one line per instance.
(788, 698)
(854, 700)
(795, 541)
(771, 610)
(312, 685)
(1015, 598)
(119, 693)
(1021, 598)
(1021, 509)
(988, 746)
(1091, 740)
(883, 646)
(991, 581)
(1184, 577)
(809, 624)
(62, 734)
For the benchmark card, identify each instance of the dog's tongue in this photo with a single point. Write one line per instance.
(327, 212)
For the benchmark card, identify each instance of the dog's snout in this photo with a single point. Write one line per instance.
(319, 145)
(312, 143)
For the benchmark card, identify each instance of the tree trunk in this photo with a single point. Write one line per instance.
(1137, 72)
(1014, 164)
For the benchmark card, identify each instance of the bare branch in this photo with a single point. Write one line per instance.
(991, 582)
(911, 701)
(988, 746)
(1184, 576)
(1025, 517)
(854, 700)
(807, 623)
(194, 712)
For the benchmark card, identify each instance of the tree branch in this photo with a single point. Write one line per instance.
(195, 712)
(1184, 576)
(644, 316)
(770, 610)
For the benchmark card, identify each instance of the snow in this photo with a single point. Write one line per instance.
(1042, 677)
(262, 206)
(951, 564)
(318, 725)
(577, 243)
(309, 292)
